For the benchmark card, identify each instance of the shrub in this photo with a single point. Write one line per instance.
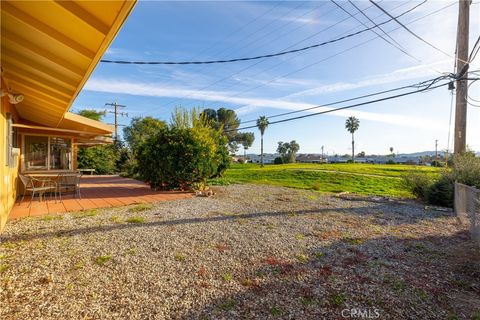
(101, 158)
(278, 160)
(417, 183)
(440, 192)
(465, 169)
(391, 161)
(177, 158)
(438, 164)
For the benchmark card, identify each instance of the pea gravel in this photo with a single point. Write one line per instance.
(249, 252)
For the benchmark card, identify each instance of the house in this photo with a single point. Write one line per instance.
(268, 158)
(334, 159)
(49, 50)
(311, 158)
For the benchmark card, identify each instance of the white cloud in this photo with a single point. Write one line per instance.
(415, 72)
(302, 20)
(161, 90)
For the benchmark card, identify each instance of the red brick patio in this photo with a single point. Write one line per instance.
(97, 192)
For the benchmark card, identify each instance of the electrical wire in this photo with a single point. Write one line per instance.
(261, 56)
(330, 57)
(308, 66)
(229, 51)
(238, 30)
(474, 51)
(416, 85)
(396, 44)
(411, 32)
(363, 13)
(257, 62)
(469, 99)
(428, 88)
(450, 122)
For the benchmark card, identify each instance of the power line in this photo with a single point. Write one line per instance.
(428, 88)
(230, 50)
(260, 56)
(410, 31)
(257, 62)
(417, 85)
(239, 29)
(475, 50)
(395, 44)
(332, 56)
(308, 66)
(450, 122)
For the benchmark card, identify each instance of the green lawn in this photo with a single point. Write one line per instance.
(366, 179)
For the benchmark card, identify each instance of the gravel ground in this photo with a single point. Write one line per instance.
(249, 252)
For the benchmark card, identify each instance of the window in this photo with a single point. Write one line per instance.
(48, 153)
(60, 153)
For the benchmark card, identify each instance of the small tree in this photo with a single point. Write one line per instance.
(262, 124)
(246, 139)
(391, 152)
(352, 124)
(288, 151)
(228, 121)
(292, 152)
(140, 129)
(92, 114)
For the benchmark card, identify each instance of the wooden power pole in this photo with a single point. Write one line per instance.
(462, 85)
(116, 113)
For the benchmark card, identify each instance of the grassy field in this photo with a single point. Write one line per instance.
(366, 179)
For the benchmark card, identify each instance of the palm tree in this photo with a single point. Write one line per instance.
(262, 124)
(352, 124)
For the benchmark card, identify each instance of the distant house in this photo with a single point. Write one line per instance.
(311, 158)
(407, 160)
(337, 160)
(268, 158)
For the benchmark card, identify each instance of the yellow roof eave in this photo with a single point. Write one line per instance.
(50, 49)
(121, 18)
(88, 124)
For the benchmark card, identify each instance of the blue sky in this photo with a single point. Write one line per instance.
(201, 30)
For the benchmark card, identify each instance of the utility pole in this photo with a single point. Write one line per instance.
(462, 85)
(115, 111)
(322, 154)
(436, 148)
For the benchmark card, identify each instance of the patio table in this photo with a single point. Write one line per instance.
(53, 177)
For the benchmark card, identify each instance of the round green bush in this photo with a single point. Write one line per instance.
(178, 158)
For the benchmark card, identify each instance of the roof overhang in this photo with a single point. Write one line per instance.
(50, 48)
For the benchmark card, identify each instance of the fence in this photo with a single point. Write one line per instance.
(467, 208)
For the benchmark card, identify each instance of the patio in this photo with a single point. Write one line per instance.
(96, 192)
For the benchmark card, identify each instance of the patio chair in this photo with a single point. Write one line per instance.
(67, 182)
(39, 186)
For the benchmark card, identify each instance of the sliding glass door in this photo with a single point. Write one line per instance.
(47, 153)
(60, 153)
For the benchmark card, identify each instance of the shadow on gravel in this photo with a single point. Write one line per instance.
(426, 278)
(398, 213)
